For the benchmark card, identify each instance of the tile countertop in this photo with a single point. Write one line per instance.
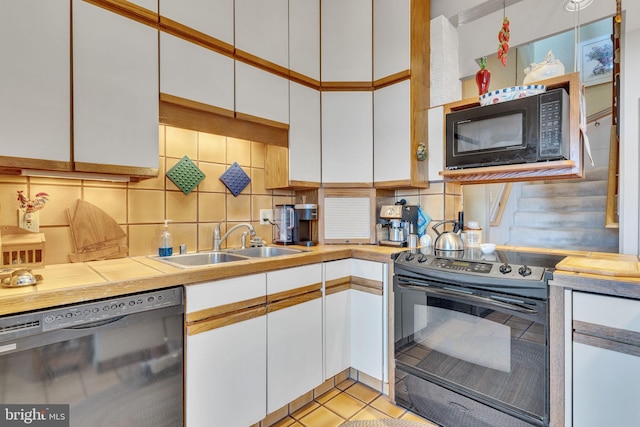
(82, 282)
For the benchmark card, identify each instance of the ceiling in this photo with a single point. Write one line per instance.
(465, 11)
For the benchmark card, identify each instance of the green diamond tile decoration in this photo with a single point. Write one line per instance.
(185, 175)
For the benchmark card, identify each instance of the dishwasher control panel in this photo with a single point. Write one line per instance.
(111, 308)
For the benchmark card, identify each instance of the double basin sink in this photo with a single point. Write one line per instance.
(211, 258)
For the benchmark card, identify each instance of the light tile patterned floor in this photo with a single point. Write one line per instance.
(349, 400)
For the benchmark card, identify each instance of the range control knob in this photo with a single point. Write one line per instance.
(422, 258)
(524, 271)
(409, 257)
(505, 268)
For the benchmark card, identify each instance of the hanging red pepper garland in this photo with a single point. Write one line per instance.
(503, 38)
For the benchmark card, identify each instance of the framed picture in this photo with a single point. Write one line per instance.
(596, 60)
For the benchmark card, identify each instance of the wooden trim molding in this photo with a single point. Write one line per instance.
(15, 164)
(292, 293)
(261, 63)
(195, 116)
(290, 302)
(366, 285)
(174, 28)
(392, 79)
(337, 285)
(606, 344)
(116, 169)
(225, 309)
(346, 86)
(614, 336)
(219, 322)
(128, 10)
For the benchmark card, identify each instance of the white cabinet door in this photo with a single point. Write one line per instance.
(304, 37)
(261, 94)
(262, 29)
(392, 133)
(606, 386)
(369, 322)
(294, 356)
(211, 17)
(304, 134)
(193, 72)
(346, 40)
(337, 320)
(115, 89)
(606, 361)
(391, 37)
(35, 104)
(226, 375)
(347, 137)
(226, 367)
(294, 345)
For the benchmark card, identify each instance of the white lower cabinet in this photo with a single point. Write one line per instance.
(606, 361)
(356, 323)
(337, 317)
(294, 331)
(226, 354)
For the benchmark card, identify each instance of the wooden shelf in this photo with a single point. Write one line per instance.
(559, 169)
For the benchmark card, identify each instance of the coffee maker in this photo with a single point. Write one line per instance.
(284, 221)
(304, 224)
(397, 221)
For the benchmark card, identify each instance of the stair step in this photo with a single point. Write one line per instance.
(565, 238)
(546, 220)
(574, 188)
(562, 204)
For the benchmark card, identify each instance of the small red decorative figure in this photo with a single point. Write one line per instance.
(483, 77)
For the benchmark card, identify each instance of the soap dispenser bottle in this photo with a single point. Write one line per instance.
(165, 244)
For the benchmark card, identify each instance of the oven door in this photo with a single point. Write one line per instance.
(488, 349)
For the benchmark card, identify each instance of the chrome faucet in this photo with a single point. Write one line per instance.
(217, 240)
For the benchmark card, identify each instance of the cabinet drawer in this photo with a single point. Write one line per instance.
(292, 278)
(223, 292)
(614, 312)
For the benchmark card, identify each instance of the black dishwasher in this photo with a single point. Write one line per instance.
(115, 362)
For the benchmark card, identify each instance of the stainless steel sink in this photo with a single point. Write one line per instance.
(264, 252)
(199, 259)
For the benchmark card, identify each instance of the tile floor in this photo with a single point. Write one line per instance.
(347, 401)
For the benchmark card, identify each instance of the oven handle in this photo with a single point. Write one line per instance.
(469, 296)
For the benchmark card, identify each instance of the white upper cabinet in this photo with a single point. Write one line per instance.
(346, 40)
(262, 29)
(391, 37)
(304, 134)
(347, 137)
(115, 89)
(304, 37)
(392, 132)
(211, 17)
(36, 83)
(190, 71)
(261, 94)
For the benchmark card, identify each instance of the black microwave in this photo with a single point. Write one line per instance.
(525, 130)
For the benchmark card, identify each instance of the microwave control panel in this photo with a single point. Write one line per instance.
(552, 124)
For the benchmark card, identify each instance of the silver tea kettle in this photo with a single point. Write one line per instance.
(448, 240)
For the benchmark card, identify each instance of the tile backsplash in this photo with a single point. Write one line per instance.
(140, 207)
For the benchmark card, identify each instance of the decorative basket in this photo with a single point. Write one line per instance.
(22, 250)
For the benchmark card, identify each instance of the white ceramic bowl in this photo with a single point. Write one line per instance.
(487, 248)
(509, 93)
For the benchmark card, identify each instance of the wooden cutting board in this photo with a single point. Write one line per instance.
(622, 267)
(94, 233)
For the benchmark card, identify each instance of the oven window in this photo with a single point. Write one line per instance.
(486, 353)
(489, 134)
